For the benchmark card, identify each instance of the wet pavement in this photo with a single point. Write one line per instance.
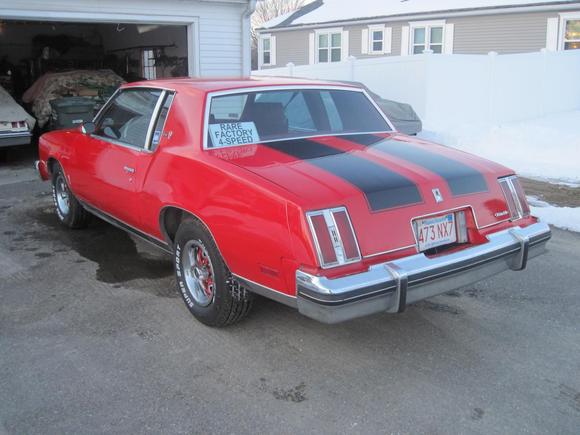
(95, 339)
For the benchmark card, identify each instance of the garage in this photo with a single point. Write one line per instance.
(84, 50)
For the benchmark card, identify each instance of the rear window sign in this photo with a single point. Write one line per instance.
(233, 133)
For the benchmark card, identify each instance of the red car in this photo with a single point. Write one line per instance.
(300, 191)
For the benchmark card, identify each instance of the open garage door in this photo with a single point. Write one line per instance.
(44, 61)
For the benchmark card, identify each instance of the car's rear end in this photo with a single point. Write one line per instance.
(16, 124)
(383, 219)
(14, 133)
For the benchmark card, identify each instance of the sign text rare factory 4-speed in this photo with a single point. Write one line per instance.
(299, 191)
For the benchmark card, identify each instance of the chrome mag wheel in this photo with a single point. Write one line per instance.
(62, 195)
(198, 273)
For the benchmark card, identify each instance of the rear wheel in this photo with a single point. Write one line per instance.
(204, 281)
(69, 210)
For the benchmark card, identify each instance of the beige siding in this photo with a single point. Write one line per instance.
(355, 40)
(505, 34)
(291, 46)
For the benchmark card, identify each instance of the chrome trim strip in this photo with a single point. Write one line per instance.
(153, 120)
(126, 227)
(267, 292)
(390, 251)
(258, 88)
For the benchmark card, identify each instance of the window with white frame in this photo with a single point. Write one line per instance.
(148, 69)
(266, 50)
(329, 46)
(571, 32)
(376, 39)
(427, 36)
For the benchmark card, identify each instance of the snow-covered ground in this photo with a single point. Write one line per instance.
(567, 218)
(546, 148)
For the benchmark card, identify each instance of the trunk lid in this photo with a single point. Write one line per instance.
(386, 181)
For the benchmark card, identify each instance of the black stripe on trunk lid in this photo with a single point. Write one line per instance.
(382, 187)
(462, 179)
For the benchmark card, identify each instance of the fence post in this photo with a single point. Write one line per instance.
(352, 64)
(544, 79)
(492, 55)
(290, 67)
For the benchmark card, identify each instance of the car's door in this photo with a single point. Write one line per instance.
(111, 155)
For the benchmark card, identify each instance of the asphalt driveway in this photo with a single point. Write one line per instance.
(95, 339)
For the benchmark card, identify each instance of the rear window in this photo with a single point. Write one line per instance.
(263, 116)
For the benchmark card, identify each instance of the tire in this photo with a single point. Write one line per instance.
(204, 281)
(68, 209)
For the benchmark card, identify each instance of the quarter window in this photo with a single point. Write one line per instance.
(428, 37)
(571, 34)
(127, 118)
(329, 47)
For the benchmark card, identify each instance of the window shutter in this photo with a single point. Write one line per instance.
(552, 34)
(260, 52)
(272, 50)
(311, 49)
(364, 48)
(344, 44)
(388, 40)
(405, 41)
(449, 38)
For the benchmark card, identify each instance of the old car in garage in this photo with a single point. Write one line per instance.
(300, 191)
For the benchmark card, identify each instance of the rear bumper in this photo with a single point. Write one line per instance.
(13, 139)
(389, 287)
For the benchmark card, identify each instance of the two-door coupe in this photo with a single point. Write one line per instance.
(300, 191)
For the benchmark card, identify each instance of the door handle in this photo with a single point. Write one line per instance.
(129, 170)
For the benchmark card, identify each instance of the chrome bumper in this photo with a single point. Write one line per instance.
(389, 287)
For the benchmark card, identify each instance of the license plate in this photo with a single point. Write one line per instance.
(436, 231)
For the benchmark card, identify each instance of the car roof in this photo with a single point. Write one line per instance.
(225, 84)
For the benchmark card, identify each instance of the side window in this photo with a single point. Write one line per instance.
(161, 119)
(128, 116)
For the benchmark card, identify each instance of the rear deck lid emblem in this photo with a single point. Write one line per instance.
(437, 195)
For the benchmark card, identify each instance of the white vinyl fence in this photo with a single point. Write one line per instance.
(447, 90)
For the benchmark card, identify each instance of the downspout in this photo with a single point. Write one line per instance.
(246, 38)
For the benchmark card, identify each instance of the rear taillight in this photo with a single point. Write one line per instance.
(334, 237)
(515, 197)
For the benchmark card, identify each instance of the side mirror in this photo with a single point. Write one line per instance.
(88, 128)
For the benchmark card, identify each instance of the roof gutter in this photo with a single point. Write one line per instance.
(431, 15)
(246, 38)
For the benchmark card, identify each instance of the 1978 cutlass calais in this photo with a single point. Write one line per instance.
(300, 191)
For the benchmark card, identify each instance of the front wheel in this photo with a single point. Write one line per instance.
(68, 209)
(204, 281)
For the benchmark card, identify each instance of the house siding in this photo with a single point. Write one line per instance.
(504, 33)
(291, 46)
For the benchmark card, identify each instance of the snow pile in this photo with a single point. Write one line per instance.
(567, 218)
(546, 148)
(335, 10)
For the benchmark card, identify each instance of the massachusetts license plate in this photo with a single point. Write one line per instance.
(436, 231)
